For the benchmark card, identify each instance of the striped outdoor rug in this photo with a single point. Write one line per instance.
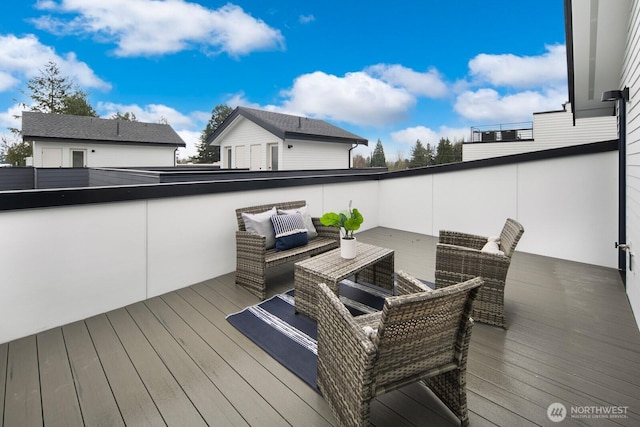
(291, 338)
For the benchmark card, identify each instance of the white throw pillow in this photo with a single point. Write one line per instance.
(260, 223)
(308, 223)
(492, 248)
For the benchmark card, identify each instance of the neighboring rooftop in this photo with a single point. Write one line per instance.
(46, 126)
(288, 126)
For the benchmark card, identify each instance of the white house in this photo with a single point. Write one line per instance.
(61, 141)
(264, 140)
(551, 129)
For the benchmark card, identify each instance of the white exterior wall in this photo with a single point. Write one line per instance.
(550, 130)
(308, 155)
(109, 155)
(244, 137)
(62, 264)
(245, 133)
(631, 79)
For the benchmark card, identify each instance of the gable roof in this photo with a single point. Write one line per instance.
(59, 127)
(288, 126)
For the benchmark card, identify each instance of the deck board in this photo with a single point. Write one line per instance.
(175, 360)
(166, 392)
(60, 406)
(22, 404)
(94, 393)
(133, 399)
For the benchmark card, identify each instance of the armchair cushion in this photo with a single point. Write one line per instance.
(308, 222)
(290, 231)
(492, 247)
(260, 223)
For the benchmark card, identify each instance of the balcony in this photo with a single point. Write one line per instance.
(508, 132)
(101, 322)
(174, 358)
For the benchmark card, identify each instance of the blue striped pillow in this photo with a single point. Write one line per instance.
(290, 231)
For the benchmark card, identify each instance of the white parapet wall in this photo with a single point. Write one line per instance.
(62, 264)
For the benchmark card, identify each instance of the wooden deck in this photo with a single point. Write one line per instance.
(175, 360)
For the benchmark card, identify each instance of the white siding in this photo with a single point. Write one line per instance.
(244, 132)
(309, 155)
(303, 155)
(550, 130)
(631, 79)
(109, 155)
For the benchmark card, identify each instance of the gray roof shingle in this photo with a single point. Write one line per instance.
(66, 127)
(289, 126)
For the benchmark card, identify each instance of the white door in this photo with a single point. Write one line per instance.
(52, 157)
(256, 157)
(240, 156)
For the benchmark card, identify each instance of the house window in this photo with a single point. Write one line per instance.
(229, 158)
(273, 157)
(77, 158)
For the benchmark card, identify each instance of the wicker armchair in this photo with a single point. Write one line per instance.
(459, 258)
(420, 336)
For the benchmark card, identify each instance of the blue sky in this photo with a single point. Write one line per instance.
(395, 71)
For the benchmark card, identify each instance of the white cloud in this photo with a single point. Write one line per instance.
(487, 105)
(521, 71)
(185, 125)
(192, 139)
(429, 84)
(355, 98)
(22, 57)
(8, 118)
(305, 19)
(152, 27)
(410, 135)
(151, 113)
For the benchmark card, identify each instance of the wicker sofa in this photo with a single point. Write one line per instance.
(253, 259)
(459, 257)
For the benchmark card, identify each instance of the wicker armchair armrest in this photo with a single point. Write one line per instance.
(407, 284)
(471, 263)
(462, 239)
(337, 324)
(326, 231)
(250, 245)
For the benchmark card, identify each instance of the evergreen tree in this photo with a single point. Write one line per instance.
(444, 152)
(447, 152)
(377, 159)
(208, 153)
(419, 156)
(77, 104)
(49, 89)
(50, 92)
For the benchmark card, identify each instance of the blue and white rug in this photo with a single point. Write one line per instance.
(291, 338)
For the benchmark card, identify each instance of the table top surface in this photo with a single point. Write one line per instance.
(331, 264)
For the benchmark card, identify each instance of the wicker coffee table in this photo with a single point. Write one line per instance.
(372, 264)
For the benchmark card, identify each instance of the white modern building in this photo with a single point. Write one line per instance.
(549, 129)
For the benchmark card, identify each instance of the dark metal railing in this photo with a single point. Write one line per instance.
(507, 132)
